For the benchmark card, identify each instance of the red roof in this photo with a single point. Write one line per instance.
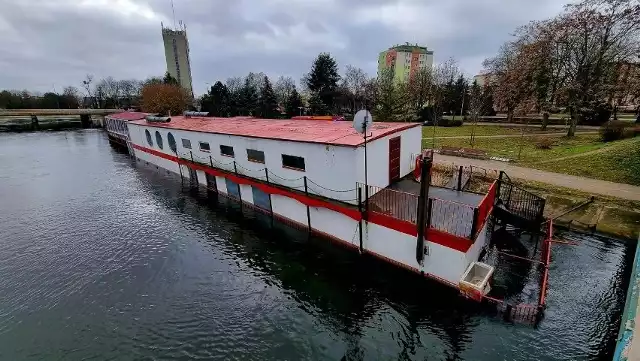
(128, 116)
(310, 131)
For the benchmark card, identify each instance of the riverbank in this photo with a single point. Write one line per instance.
(47, 122)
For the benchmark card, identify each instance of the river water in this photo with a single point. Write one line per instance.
(102, 259)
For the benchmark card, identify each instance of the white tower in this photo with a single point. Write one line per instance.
(176, 51)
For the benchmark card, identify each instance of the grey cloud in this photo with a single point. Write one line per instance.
(45, 45)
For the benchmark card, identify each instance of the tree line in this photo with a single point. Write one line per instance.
(428, 94)
(584, 60)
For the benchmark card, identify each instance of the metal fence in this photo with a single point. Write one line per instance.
(520, 202)
(399, 205)
(452, 217)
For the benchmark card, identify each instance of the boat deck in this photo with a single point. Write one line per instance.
(451, 211)
(413, 187)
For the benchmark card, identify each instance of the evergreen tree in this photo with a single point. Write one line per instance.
(293, 104)
(216, 101)
(268, 101)
(168, 79)
(323, 80)
(317, 106)
(249, 102)
(460, 96)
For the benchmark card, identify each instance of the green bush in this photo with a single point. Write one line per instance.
(446, 122)
(596, 114)
(614, 130)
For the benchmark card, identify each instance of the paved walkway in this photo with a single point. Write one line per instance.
(526, 135)
(550, 126)
(594, 186)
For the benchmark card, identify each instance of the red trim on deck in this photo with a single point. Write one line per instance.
(485, 207)
(433, 235)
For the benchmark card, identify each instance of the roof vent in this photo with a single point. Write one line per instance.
(156, 119)
(190, 114)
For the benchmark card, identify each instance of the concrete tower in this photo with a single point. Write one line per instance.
(176, 51)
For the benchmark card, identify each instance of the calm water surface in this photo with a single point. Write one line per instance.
(102, 259)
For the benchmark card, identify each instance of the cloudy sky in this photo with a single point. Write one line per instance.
(55, 43)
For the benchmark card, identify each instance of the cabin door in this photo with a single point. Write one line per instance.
(394, 159)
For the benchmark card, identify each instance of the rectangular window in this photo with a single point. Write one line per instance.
(233, 188)
(293, 162)
(204, 146)
(226, 150)
(186, 143)
(261, 199)
(255, 156)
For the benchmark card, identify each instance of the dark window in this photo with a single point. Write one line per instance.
(186, 143)
(172, 142)
(255, 155)
(159, 139)
(149, 140)
(233, 189)
(227, 150)
(261, 199)
(291, 161)
(204, 146)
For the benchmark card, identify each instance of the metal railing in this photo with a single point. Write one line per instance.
(390, 202)
(520, 202)
(451, 217)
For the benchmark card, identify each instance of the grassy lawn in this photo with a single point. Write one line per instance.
(466, 129)
(616, 161)
(619, 163)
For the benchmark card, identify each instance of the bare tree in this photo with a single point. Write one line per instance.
(112, 90)
(354, 82)
(283, 88)
(420, 87)
(86, 84)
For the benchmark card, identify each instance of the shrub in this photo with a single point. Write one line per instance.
(446, 122)
(544, 143)
(613, 130)
(595, 114)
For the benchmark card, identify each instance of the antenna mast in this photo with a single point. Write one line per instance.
(174, 16)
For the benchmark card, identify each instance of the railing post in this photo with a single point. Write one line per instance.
(460, 179)
(429, 208)
(266, 173)
(306, 192)
(235, 168)
(474, 224)
(360, 210)
(211, 161)
(422, 205)
(190, 152)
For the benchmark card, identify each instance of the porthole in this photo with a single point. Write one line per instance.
(149, 140)
(172, 142)
(158, 139)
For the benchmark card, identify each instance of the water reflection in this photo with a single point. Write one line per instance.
(105, 258)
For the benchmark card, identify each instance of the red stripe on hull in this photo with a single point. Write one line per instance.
(432, 235)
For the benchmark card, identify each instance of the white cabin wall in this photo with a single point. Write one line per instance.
(474, 252)
(398, 246)
(378, 156)
(410, 143)
(221, 183)
(289, 208)
(246, 193)
(329, 166)
(445, 262)
(335, 224)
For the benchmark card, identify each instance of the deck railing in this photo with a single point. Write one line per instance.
(451, 217)
(390, 202)
(520, 202)
(483, 212)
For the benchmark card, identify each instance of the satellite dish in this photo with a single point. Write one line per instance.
(362, 121)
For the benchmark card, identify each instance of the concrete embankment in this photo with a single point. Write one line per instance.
(628, 343)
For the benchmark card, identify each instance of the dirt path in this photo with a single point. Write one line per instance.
(595, 186)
